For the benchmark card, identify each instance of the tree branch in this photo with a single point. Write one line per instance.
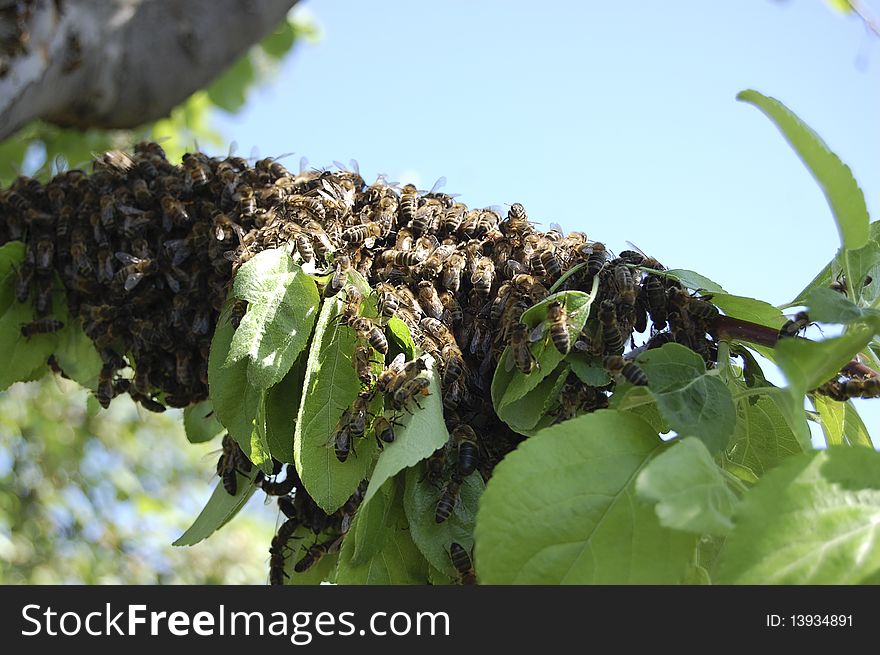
(120, 63)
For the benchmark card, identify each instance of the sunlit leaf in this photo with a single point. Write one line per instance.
(802, 524)
(282, 306)
(218, 511)
(563, 509)
(200, 422)
(689, 488)
(834, 177)
(693, 402)
(433, 539)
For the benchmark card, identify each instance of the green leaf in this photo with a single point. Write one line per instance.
(640, 402)
(523, 415)
(26, 357)
(841, 423)
(510, 386)
(399, 333)
(690, 490)
(433, 539)
(283, 302)
(229, 91)
(562, 509)
(859, 263)
(218, 511)
(844, 6)
(277, 44)
(235, 400)
(422, 433)
(800, 525)
(11, 257)
(829, 306)
(282, 403)
(369, 528)
(693, 402)
(809, 364)
(322, 571)
(398, 562)
(767, 431)
(330, 386)
(200, 422)
(76, 353)
(749, 309)
(693, 280)
(844, 196)
(589, 371)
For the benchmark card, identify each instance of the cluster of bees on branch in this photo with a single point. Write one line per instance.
(300, 512)
(144, 250)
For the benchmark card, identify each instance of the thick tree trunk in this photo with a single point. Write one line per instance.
(118, 63)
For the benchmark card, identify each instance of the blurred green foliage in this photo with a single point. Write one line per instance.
(97, 496)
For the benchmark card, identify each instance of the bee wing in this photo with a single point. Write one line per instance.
(398, 362)
(441, 182)
(132, 280)
(538, 333)
(127, 259)
(173, 283)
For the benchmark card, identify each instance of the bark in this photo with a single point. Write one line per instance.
(118, 63)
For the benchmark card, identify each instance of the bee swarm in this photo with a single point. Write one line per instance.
(146, 251)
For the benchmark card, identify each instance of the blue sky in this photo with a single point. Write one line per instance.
(617, 119)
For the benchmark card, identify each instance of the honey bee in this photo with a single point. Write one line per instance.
(842, 391)
(279, 547)
(483, 276)
(517, 223)
(197, 171)
(351, 307)
(596, 260)
(425, 219)
(173, 213)
(247, 201)
(43, 297)
(23, 277)
(618, 366)
(142, 192)
(520, 353)
(452, 312)
(363, 365)
(611, 335)
(463, 563)
(40, 326)
(793, 326)
(237, 312)
(105, 391)
(44, 255)
(387, 301)
(398, 372)
(655, 300)
(453, 268)
(465, 439)
(435, 466)
(182, 366)
(478, 223)
(549, 261)
(453, 364)
(371, 332)
(402, 257)
(408, 204)
(232, 460)
(134, 270)
(557, 325)
(448, 499)
(342, 443)
(430, 300)
(384, 429)
(408, 392)
(702, 309)
(340, 275)
(358, 234)
(315, 554)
